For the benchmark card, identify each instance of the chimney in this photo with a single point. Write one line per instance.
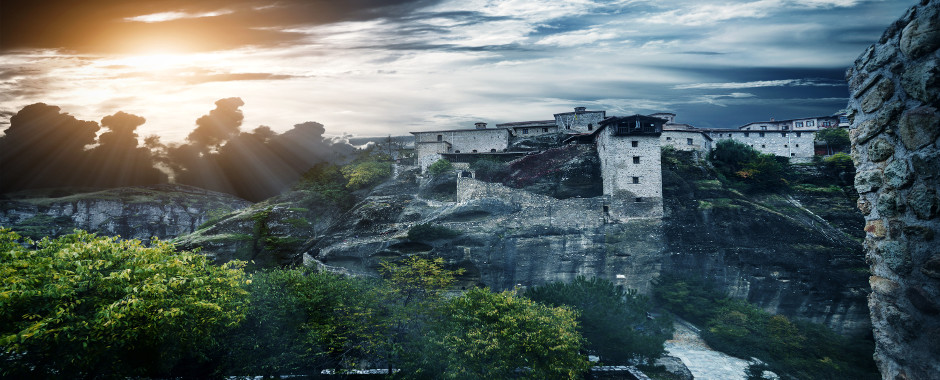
(480, 125)
(579, 109)
(771, 119)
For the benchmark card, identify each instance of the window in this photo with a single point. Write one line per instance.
(606, 209)
(792, 154)
(456, 151)
(492, 150)
(763, 145)
(746, 134)
(638, 200)
(799, 124)
(634, 143)
(636, 179)
(763, 127)
(810, 123)
(440, 137)
(474, 151)
(762, 134)
(525, 131)
(784, 134)
(636, 159)
(544, 129)
(688, 141)
(590, 127)
(797, 145)
(668, 138)
(798, 134)
(785, 146)
(826, 124)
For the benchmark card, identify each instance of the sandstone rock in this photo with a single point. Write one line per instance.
(932, 266)
(923, 201)
(926, 164)
(868, 181)
(896, 256)
(922, 35)
(880, 150)
(898, 174)
(922, 81)
(877, 95)
(883, 286)
(919, 127)
(876, 228)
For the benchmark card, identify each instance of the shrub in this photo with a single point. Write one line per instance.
(441, 166)
(489, 169)
(366, 174)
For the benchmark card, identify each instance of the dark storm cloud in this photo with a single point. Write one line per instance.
(115, 25)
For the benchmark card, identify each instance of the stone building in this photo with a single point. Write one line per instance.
(431, 145)
(531, 128)
(895, 133)
(579, 121)
(631, 165)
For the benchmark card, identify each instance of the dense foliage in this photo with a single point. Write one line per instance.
(84, 305)
(794, 349)
(440, 167)
(836, 139)
(614, 322)
(367, 171)
(88, 306)
(489, 169)
(748, 168)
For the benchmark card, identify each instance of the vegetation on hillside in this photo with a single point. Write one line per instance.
(616, 323)
(747, 168)
(440, 167)
(91, 306)
(793, 349)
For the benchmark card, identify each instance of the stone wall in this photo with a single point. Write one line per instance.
(430, 152)
(429, 145)
(797, 145)
(686, 140)
(895, 94)
(580, 120)
(635, 188)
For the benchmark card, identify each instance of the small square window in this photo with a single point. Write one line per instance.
(636, 179)
(440, 137)
(797, 145)
(763, 127)
(799, 124)
(474, 151)
(746, 134)
(792, 154)
(784, 134)
(799, 134)
(688, 141)
(525, 131)
(810, 123)
(634, 143)
(492, 150)
(762, 134)
(636, 159)
(786, 146)
(544, 129)
(638, 200)
(668, 138)
(763, 146)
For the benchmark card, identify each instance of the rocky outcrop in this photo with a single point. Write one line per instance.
(895, 99)
(163, 211)
(563, 172)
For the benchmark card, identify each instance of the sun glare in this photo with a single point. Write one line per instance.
(152, 61)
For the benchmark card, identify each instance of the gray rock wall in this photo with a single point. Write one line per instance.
(895, 96)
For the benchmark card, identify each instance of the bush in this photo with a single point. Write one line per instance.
(489, 169)
(429, 232)
(751, 169)
(836, 139)
(441, 166)
(366, 174)
(84, 305)
(614, 322)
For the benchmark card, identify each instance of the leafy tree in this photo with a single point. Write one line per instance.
(440, 167)
(730, 156)
(489, 169)
(764, 172)
(84, 305)
(366, 173)
(614, 322)
(488, 335)
(301, 322)
(837, 139)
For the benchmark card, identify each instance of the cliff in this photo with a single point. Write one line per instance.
(163, 211)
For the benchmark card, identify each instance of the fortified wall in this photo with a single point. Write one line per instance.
(895, 96)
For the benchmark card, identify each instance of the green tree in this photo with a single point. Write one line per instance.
(84, 305)
(441, 166)
(614, 322)
(301, 322)
(730, 156)
(489, 169)
(366, 173)
(488, 335)
(836, 139)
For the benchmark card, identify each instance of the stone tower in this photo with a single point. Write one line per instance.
(630, 154)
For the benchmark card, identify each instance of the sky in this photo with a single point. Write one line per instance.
(380, 67)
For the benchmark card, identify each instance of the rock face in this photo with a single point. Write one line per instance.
(163, 211)
(895, 98)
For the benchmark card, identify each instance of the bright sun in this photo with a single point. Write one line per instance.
(153, 61)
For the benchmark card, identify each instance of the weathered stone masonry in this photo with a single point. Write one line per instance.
(895, 127)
